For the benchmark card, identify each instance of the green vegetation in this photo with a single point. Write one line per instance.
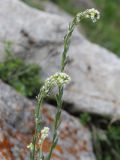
(25, 78)
(67, 5)
(34, 3)
(85, 118)
(106, 137)
(107, 142)
(106, 31)
(59, 80)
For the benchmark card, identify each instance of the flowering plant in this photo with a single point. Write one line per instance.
(57, 80)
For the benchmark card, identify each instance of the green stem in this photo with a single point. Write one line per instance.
(67, 40)
(56, 121)
(37, 127)
(94, 15)
(41, 152)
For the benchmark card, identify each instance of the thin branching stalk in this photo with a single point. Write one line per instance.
(59, 79)
(67, 40)
(37, 127)
(57, 120)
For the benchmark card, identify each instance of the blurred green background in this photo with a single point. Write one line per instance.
(106, 32)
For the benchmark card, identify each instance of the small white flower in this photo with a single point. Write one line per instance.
(93, 14)
(30, 146)
(58, 79)
(44, 134)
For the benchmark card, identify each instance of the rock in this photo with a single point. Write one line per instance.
(38, 37)
(16, 128)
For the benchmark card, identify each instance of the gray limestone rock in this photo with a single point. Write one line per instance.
(38, 37)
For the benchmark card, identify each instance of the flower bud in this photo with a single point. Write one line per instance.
(93, 14)
(58, 79)
(44, 134)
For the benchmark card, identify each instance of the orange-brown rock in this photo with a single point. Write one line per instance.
(17, 127)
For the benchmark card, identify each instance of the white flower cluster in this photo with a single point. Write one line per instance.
(44, 134)
(61, 78)
(93, 14)
(30, 146)
(58, 79)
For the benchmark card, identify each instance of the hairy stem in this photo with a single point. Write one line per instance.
(57, 120)
(37, 127)
(59, 80)
(67, 40)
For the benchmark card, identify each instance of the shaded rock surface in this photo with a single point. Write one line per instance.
(16, 128)
(38, 38)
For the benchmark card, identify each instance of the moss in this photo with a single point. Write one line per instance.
(25, 78)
